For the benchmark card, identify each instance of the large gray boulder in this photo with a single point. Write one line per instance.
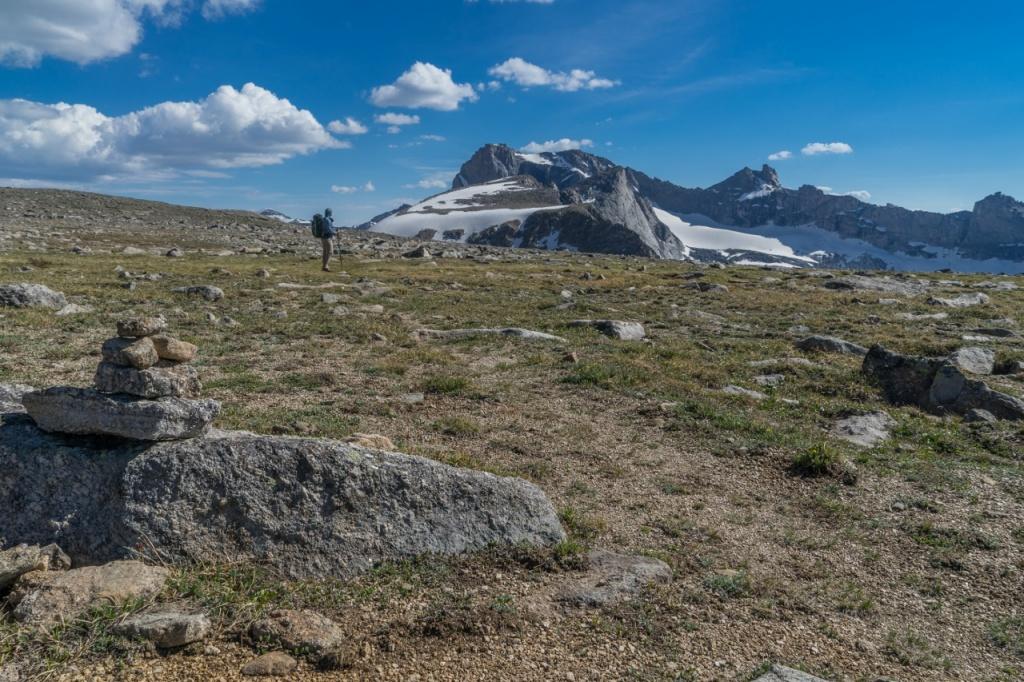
(780, 673)
(935, 385)
(30, 296)
(83, 411)
(310, 508)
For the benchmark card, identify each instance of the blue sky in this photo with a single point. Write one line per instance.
(926, 105)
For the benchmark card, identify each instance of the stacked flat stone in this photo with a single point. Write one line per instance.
(144, 389)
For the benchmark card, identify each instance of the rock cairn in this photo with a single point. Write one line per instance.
(144, 389)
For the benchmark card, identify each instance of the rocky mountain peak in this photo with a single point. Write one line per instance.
(749, 181)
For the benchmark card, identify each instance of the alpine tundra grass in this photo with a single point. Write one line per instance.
(912, 571)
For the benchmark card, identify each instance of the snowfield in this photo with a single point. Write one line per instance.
(470, 217)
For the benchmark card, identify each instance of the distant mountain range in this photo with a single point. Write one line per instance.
(277, 215)
(574, 200)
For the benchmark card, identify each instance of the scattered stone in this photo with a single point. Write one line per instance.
(263, 273)
(830, 344)
(73, 309)
(745, 392)
(330, 299)
(133, 251)
(373, 441)
(770, 380)
(30, 296)
(779, 673)
(17, 561)
(274, 664)
(791, 362)
(68, 594)
(308, 507)
(419, 252)
(974, 360)
(205, 291)
(912, 317)
(611, 578)
(162, 380)
(526, 334)
(865, 430)
(167, 627)
(137, 327)
(82, 411)
(996, 332)
(170, 348)
(961, 301)
(883, 284)
(935, 385)
(11, 395)
(175, 253)
(977, 415)
(616, 329)
(305, 631)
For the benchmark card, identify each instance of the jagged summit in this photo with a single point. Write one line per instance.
(586, 202)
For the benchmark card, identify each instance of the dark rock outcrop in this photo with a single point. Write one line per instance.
(935, 385)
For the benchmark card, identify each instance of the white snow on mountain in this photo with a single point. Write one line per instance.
(460, 209)
(535, 158)
(277, 215)
(697, 236)
(811, 244)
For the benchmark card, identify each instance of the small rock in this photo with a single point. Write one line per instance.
(978, 415)
(372, 441)
(274, 664)
(616, 329)
(140, 354)
(961, 301)
(419, 252)
(137, 327)
(175, 253)
(974, 360)
(611, 578)
(779, 673)
(21, 559)
(830, 344)
(770, 380)
(330, 299)
(205, 291)
(865, 430)
(30, 296)
(73, 309)
(170, 348)
(68, 594)
(167, 627)
(305, 631)
(745, 392)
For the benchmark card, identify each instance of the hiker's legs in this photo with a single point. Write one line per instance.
(328, 245)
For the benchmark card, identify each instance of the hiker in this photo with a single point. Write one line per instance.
(323, 228)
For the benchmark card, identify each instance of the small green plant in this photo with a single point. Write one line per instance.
(914, 651)
(817, 460)
(456, 426)
(728, 584)
(1008, 633)
(581, 526)
(446, 384)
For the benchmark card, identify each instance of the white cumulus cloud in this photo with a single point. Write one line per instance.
(424, 86)
(349, 126)
(85, 31)
(563, 145)
(523, 73)
(230, 128)
(352, 189)
(816, 148)
(781, 156)
(393, 119)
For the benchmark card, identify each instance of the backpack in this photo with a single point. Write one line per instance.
(317, 226)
